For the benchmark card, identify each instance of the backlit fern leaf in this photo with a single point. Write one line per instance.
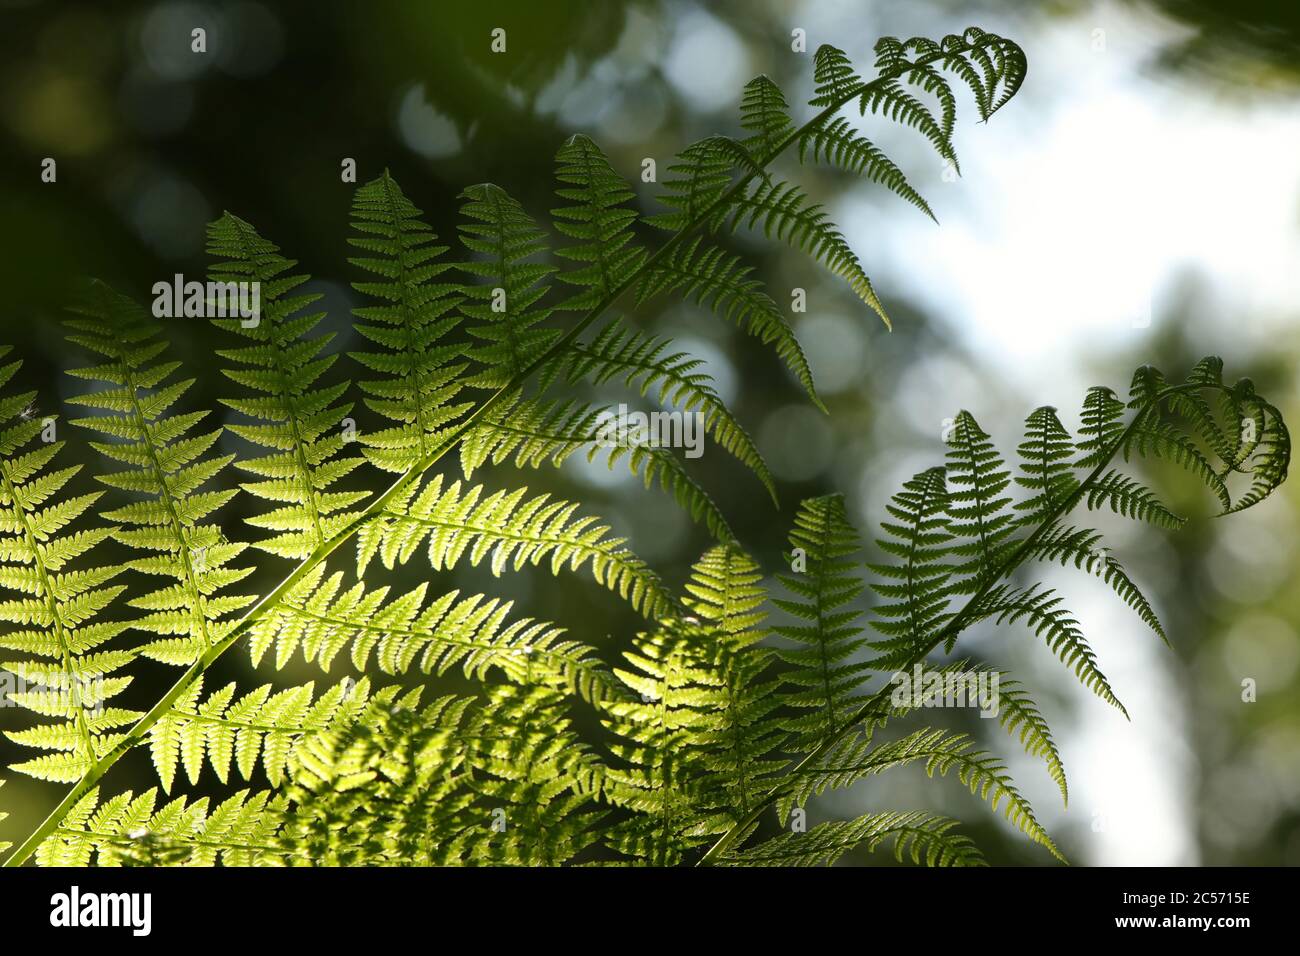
(125, 829)
(839, 144)
(537, 779)
(66, 674)
(1019, 716)
(394, 787)
(303, 425)
(413, 322)
(941, 752)
(600, 221)
(923, 838)
(638, 360)
(784, 211)
(1046, 465)
(223, 731)
(534, 432)
(980, 520)
(166, 465)
(765, 113)
(1042, 611)
(719, 280)
(506, 304)
(512, 531)
(474, 633)
(1081, 547)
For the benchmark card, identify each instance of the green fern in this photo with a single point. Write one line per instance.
(712, 716)
(304, 427)
(413, 321)
(68, 673)
(169, 467)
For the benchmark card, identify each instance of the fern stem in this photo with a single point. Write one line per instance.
(878, 700)
(325, 548)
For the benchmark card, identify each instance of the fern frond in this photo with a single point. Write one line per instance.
(941, 752)
(1080, 547)
(977, 504)
(600, 221)
(1042, 611)
(698, 746)
(125, 829)
(924, 838)
(169, 467)
(823, 673)
(1128, 497)
(282, 369)
(720, 281)
(1101, 426)
(513, 531)
(394, 787)
(785, 212)
(537, 780)
(766, 114)
(535, 431)
(475, 633)
(506, 303)
(412, 323)
(1019, 716)
(920, 539)
(66, 672)
(638, 359)
(696, 186)
(840, 145)
(1046, 460)
(222, 730)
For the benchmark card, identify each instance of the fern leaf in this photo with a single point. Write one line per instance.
(475, 633)
(1046, 460)
(918, 603)
(303, 425)
(720, 281)
(535, 431)
(222, 731)
(537, 778)
(941, 753)
(412, 323)
(638, 359)
(394, 787)
(1041, 610)
(977, 504)
(126, 829)
(823, 674)
(505, 304)
(169, 467)
(513, 531)
(765, 113)
(785, 212)
(600, 221)
(921, 837)
(839, 144)
(65, 672)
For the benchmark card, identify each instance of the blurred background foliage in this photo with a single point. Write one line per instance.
(1139, 202)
